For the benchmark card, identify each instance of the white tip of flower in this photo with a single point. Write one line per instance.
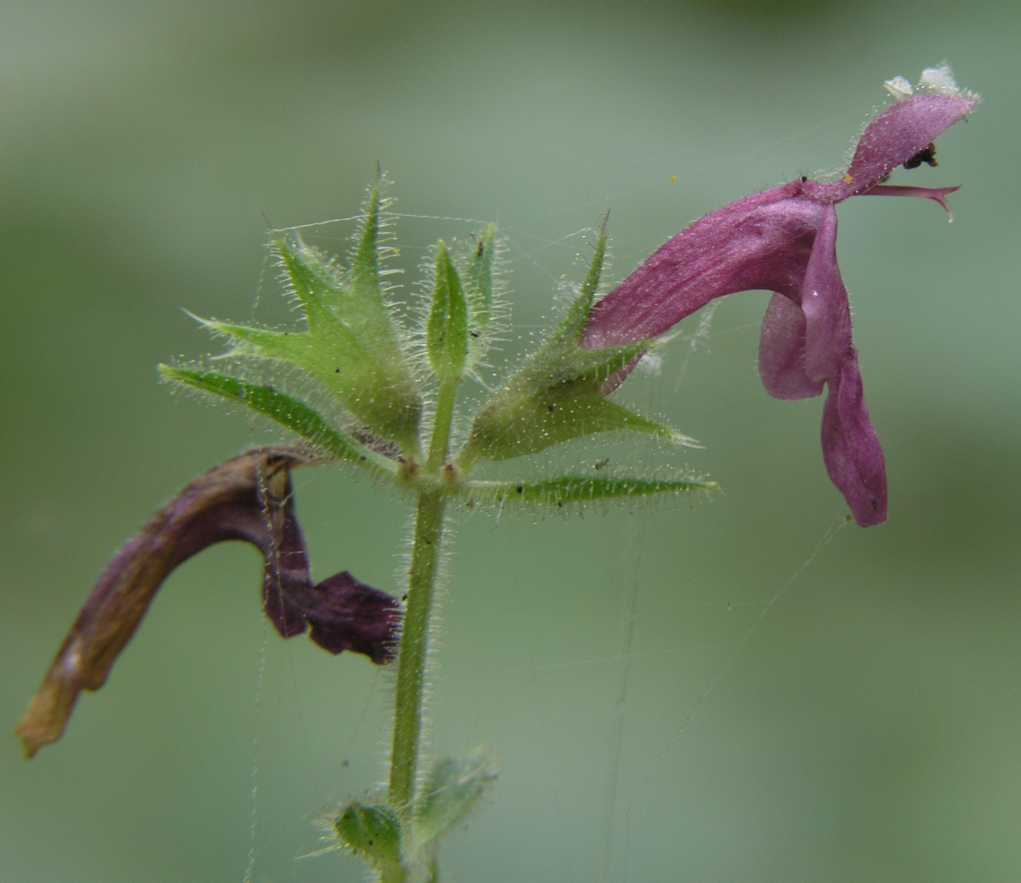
(899, 87)
(685, 441)
(939, 80)
(651, 364)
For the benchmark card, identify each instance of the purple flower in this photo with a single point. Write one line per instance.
(248, 498)
(784, 241)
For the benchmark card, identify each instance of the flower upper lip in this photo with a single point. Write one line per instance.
(900, 133)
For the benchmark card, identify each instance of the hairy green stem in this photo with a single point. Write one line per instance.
(440, 445)
(414, 649)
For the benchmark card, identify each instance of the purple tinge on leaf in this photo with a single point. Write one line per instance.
(248, 498)
(784, 241)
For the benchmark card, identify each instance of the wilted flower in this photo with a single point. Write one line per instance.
(784, 241)
(248, 498)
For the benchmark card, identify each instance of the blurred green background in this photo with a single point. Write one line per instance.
(794, 703)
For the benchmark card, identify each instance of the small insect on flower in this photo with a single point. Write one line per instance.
(926, 155)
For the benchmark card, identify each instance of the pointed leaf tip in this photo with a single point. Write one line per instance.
(365, 263)
(577, 316)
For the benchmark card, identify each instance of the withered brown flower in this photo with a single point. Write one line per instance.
(247, 498)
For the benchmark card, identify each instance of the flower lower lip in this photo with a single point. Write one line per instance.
(936, 194)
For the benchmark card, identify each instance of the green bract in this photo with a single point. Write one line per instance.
(447, 798)
(478, 289)
(386, 396)
(372, 832)
(581, 489)
(447, 328)
(353, 347)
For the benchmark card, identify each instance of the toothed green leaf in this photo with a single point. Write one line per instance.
(356, 299)
(373, 833)
(351, 345)
(538, 422)
(450, 792)
(580, 489)
(560, 393)
(366, 375)
(447, 329)
(287, 411)
(556, 397)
